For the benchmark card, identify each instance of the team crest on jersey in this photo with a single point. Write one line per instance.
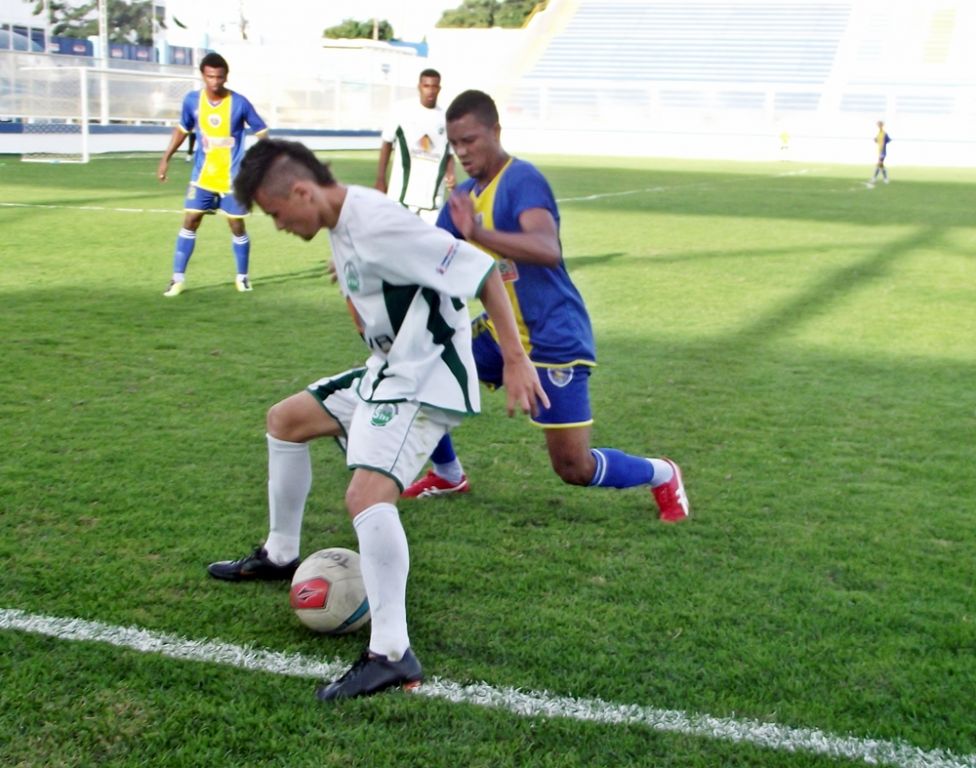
(214, 120)
(352, 277)
(383, 414)
(559, 377)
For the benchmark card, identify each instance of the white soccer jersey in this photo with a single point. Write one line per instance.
(405, 282)
(420, 152)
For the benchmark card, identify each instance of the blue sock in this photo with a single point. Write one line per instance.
(444, 452)
(185, 241)
(616, 469)
(242, 252)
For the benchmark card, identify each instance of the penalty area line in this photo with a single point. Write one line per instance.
(771, 736)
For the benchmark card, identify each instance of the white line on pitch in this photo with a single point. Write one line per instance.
(655, 190)
(602, 195)
(800, 172)
(87, 208)
(522, 703)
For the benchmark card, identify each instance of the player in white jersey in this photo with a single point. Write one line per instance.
(416, 140)
(404, 282)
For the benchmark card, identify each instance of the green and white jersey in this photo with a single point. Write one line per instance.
(405, 283)
(420, 153)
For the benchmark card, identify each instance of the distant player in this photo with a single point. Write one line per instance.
(881, 139)
(507, 209)
(218, 117)
(416, 140)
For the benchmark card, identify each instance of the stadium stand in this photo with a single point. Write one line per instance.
(702, 78)
(671, 77)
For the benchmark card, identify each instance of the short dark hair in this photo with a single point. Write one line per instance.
(476, 103)
(215, 60)
(429, 73)
(274, 165)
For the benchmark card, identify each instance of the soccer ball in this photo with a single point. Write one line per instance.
(327, 592)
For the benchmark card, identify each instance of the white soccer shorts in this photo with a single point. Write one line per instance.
(395, 439)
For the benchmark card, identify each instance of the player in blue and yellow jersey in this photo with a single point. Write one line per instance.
(507, 209)
(218, 117)
(881, 139)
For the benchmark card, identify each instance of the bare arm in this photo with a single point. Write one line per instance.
(521, 381)
(386, 149)
(450, 180)
(537, 243)
(176, 139)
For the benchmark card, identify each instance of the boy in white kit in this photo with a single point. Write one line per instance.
(416, 139)
(405, 283)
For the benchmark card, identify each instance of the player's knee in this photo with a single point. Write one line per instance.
(572, 471)
(354, 500)
(280, 422)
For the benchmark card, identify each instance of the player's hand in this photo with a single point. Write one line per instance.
(523, 388)
(162, 168)
(462, 214)
(333, 276)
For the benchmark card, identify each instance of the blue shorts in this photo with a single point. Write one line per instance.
(206, 201)
(567, 387)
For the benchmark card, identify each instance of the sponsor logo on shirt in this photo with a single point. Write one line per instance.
(508, 270)
(448, 258)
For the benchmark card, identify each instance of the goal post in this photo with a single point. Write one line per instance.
(60, 106)
(58, 129)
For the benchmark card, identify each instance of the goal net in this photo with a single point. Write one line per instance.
(64, 106)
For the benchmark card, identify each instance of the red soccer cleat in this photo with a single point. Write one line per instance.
(671, 498)
(434, 485)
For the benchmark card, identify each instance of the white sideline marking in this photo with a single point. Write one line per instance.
(522, 703)
(88, 208)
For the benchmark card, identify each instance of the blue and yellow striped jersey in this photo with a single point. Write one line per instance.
(549, 310)
(220, 130)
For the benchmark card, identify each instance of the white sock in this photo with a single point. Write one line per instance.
(663, 472)
(385, 562)
(289, 481)
(452, 471)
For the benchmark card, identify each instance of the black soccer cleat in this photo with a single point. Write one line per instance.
(253, 567)
(371, 674)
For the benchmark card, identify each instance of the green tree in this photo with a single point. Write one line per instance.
(129, 21)
(351, 29)
(489, 13)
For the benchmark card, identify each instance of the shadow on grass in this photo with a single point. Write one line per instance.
(801, 307)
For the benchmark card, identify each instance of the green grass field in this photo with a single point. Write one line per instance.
(805, 347)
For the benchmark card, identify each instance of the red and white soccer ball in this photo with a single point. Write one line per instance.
(327, 592)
